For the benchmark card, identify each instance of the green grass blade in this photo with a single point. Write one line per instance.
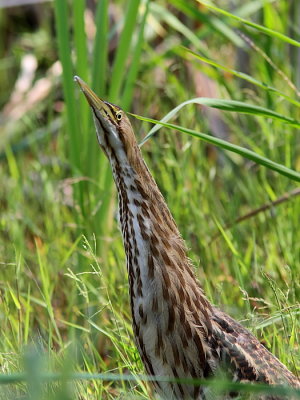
(81, 56)
(243, 76)
(168, 17)
(80, 39)
(261, 28)
(118, 74)
(100, 50)
(240, 107)
(227, 105)
(251, 155)
(64, 50)
(47, 290)
(252, 7)
(27, 315)
(191, 9)
(135, 63)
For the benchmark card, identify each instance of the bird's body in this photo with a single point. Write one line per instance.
(179, 334)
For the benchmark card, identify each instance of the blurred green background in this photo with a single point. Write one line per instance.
(63, 283)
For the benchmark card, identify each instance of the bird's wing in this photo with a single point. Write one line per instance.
(250, 359)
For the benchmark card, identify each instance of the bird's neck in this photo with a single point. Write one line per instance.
(151, 238)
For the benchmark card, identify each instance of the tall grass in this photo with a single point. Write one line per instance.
(63, 280)
(86, 158)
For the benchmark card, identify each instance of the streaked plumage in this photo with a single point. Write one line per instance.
(178, 332)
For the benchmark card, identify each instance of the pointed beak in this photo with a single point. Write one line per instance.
(93, 100)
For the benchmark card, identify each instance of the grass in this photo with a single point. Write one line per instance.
(63, 283)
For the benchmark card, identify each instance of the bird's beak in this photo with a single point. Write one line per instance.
(94, 101)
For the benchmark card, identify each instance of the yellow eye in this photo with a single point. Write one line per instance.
(119, 116)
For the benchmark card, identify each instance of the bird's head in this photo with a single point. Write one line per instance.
(114, 131)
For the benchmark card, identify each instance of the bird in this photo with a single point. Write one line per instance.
(178, 332)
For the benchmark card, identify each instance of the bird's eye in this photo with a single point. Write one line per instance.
(119, 116)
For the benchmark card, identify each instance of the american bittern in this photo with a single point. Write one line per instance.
(179, 334)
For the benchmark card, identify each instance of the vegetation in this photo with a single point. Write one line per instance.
(64, 293)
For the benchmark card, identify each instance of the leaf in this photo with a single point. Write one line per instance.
(226, 105)
(243, 76)
(260, 28)
(249, 154)
(123, 50)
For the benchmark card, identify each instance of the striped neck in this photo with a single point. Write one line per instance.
(151, 238)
